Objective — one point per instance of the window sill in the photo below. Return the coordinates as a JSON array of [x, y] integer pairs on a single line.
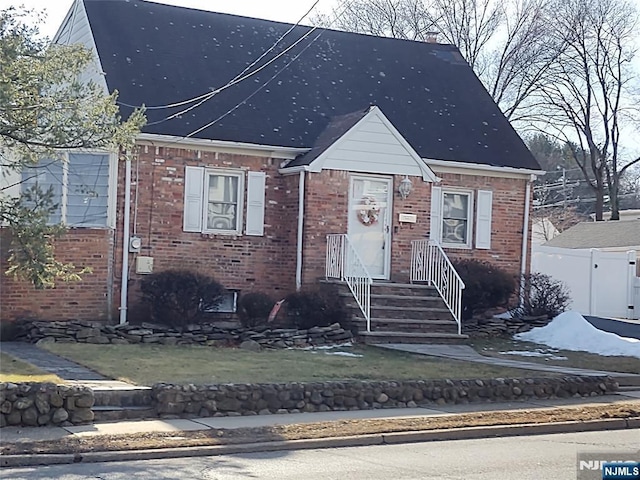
[[222, 233], [456, 246]]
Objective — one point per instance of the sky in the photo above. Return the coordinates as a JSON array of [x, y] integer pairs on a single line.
[[288, 11]]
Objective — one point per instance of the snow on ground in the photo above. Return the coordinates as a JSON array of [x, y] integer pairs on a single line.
[[344, 354], [538, 352], [570, 331]]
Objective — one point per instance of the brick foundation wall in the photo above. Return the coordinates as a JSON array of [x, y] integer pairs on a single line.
[[87, 300]]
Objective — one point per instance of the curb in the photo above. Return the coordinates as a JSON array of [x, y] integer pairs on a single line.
[[464, 433]]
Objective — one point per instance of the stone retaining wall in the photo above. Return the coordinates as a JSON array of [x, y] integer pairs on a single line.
[[491, 327], [32, 404], [205, 334], [39, 404], [173, 401]]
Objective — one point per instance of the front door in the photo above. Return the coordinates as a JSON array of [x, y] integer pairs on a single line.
[[370, 210]]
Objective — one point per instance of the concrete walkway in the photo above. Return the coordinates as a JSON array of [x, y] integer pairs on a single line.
[[65, 369], [467, 354]]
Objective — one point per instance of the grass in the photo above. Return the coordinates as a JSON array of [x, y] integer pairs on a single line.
[[15, 371], [591, 361], [149, 364]]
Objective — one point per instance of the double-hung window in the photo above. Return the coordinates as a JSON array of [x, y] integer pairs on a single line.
[[79, 184], [456, 218], [223, 200], [214, 201], [452, 214]]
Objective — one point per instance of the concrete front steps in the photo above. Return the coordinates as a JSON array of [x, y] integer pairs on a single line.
[[123, 403], [402, 313]]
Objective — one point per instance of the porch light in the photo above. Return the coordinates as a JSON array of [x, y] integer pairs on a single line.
[[405, 187]]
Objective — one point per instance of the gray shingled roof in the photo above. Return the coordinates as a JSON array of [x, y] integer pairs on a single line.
[[157, 54], [599, 235]]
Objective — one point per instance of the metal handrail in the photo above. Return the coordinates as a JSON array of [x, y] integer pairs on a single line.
[[344, 263], [429, 263]]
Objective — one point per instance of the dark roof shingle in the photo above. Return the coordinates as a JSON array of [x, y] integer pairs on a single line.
[[156, 54]]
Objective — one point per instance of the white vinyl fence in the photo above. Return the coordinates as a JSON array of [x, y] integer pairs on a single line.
[[601, 283]]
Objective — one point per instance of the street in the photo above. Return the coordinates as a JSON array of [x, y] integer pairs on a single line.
[[524, 458]]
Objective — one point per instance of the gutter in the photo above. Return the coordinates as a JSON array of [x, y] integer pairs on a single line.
[[478, 166], [288, 153], [125, 241], [525, 236], [300, 230]]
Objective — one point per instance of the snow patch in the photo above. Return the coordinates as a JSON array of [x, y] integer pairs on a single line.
[[570, 331], [344, 354], [536, 353]]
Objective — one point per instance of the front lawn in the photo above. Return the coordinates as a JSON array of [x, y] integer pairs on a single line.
[[149, 364], [499, 346], [15, 371]]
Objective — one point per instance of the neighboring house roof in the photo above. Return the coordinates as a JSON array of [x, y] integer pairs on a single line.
[[599, 235], [159, 55]]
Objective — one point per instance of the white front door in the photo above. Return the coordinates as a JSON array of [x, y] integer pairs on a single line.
[[370, 210]]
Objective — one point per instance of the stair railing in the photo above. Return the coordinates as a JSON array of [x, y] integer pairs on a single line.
[[344, 263], [430, 264]]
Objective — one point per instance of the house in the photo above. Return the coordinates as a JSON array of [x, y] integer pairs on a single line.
[[600, 263], [270, 150]]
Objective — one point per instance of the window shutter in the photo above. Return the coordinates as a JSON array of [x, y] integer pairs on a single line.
[[483, 219], [193, 191], [255, 203], [436, 214]]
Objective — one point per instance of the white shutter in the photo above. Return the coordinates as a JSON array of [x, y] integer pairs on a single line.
[[193, 192], [483, 219], [436, 214], [255, 203]]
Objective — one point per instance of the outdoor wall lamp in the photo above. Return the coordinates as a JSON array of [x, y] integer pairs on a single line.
[[405, 187]]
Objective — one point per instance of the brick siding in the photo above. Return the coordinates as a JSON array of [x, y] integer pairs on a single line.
[[246, 263]]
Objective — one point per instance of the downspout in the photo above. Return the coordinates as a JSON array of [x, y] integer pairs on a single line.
[[125, 241], [300, 231], [525, 236]]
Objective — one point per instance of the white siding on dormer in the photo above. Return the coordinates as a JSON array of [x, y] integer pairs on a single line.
[[373, 148], [76, 30]]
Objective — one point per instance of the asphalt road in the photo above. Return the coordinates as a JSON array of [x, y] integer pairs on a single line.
[[522, 458], [623, 328]]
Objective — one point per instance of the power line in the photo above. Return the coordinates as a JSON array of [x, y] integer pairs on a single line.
[[195, 132], [205, 96], [230, 84]]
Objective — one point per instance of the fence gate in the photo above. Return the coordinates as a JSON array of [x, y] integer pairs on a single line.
[[601, 283]]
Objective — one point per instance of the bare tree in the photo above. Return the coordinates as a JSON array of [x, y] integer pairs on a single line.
[[587, 96], [406, 19], [506, 43]]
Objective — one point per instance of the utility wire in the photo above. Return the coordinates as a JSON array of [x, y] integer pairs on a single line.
[[234, 80], [195, 132]]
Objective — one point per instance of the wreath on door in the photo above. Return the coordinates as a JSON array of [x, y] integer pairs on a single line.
[[369, 211]]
